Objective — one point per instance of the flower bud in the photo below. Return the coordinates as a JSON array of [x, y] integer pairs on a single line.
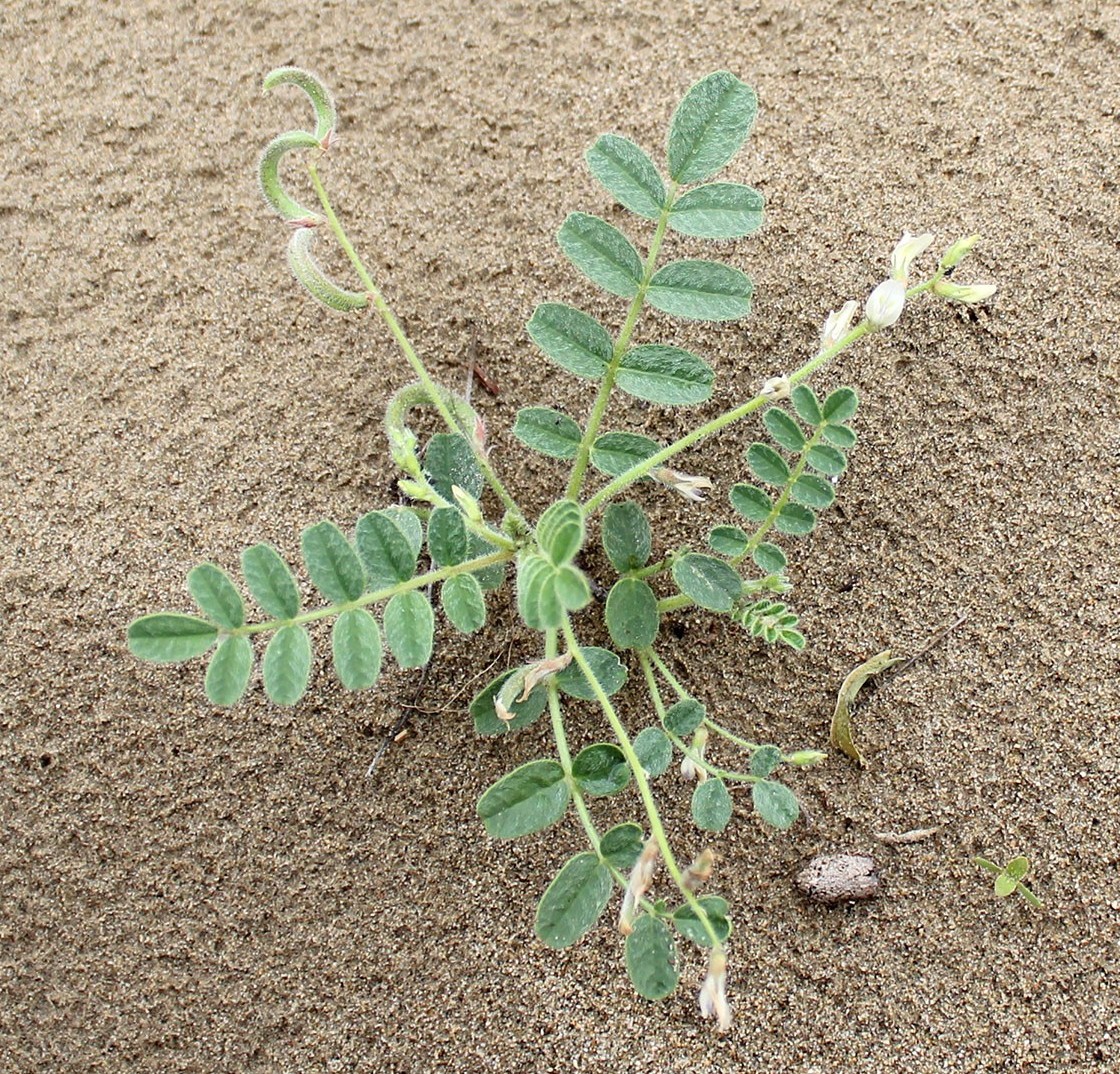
[[467, 504], [958, 251], [700, 871], [884, 306], [837, 325], [641, 878], [970, 294], [775, 388], [805, 757]]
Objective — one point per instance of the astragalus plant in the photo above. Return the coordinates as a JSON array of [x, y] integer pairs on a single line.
[[462, 533]]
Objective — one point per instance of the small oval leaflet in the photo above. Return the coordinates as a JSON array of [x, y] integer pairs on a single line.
[[356, 649], [601, 769], [627, 172], [168, 637], [651, 958], [287, 665], [710, 582], [216, 596], [602, 253], [711, 805], [227, 674], [525, 800], [574, 900]]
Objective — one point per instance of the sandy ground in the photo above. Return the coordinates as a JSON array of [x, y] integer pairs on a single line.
[[194, 890]]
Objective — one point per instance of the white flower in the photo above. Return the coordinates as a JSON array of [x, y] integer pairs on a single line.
[[713, 992], [977, 292], [908, 248], [884, 306], [837, 325], [690, 487]]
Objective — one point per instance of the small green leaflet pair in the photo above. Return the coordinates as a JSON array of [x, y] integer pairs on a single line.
[[708, 128]]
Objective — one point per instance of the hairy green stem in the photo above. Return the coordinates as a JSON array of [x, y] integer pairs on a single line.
[[405, 344], [606, 385], [419, 582], [657, 829]]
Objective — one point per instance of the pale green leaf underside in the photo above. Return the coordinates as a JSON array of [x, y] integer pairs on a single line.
[[216, 596], [463, 603], [356, 649], [227, 674], [168, 637], [409, 628], [333, 564], [287, 665], [271, 582]]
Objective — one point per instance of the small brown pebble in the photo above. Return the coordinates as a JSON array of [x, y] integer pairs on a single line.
[[833, 878]]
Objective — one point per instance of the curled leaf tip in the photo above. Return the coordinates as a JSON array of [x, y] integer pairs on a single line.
[[269, 174]]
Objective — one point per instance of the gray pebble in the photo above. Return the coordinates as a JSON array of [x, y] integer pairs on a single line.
[[833, 878]]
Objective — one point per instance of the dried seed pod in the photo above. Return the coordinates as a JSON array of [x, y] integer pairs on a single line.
[[833, 878]]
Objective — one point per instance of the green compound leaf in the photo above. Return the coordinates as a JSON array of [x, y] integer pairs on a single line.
[[526, 800], [684, 717], [602, 253], [356, 649], [448, 540], [574, 900], [168, 637], [840, 406], [386, 550], [572, 339], [701, 291], [795, 519], [775, 803], [409, 627], [605, 666], [651, 958], [785, 431], [728, 540], [805, 402], [601, 769], [270, 581], [710, 582], [216, 596], [486, 721], [718, 211], [287, 665], [448, 460], [692, 928], [765, 760], [654, 750], [615, 453], [812, 491], [709, 126], [840, 436], [560, 531], [622, 845], [332, 563], [227, 674], [666, 375], [627, 173], [767, 465], [770, 558], [711, 805], [826, 459], [547, 431], [463, 603], [751, 502], [627, 538], [631, 614]]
